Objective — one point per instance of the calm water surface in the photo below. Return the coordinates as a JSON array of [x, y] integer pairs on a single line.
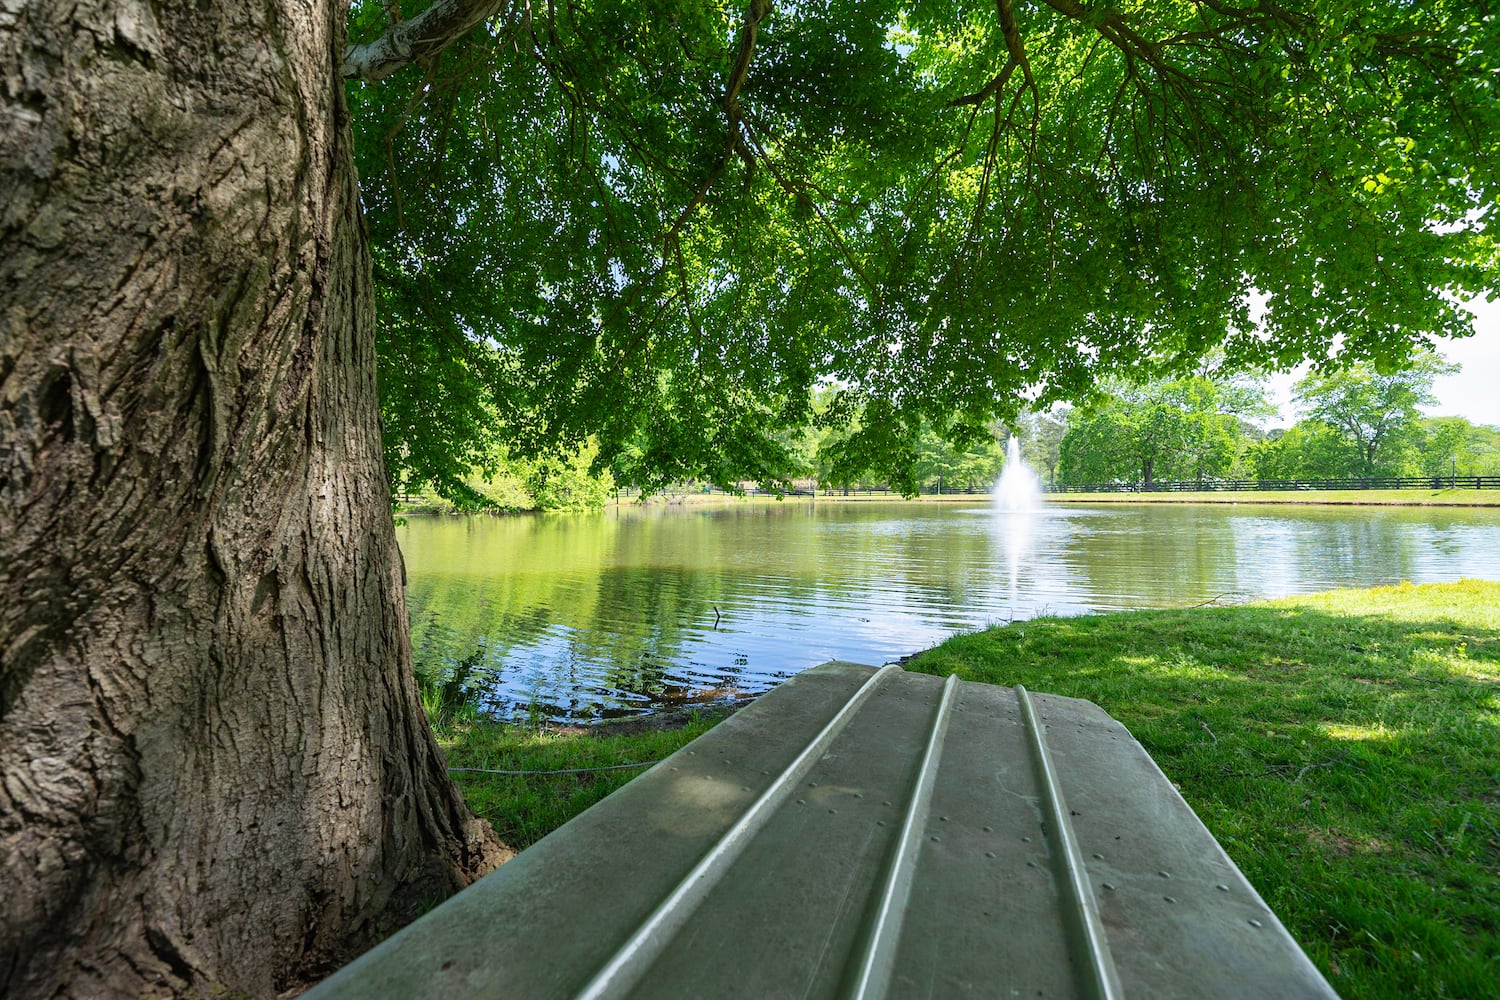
[[624, 612]]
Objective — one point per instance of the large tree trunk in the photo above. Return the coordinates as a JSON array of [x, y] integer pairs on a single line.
[[214, 771]]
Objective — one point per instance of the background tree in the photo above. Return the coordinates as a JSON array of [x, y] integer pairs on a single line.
[[658, 216], [1377, 413], [1182, 428], [949, 466], [1310, 449], [1443, 444], [1478, 454], [1041, 440], [1483, 446], [1104, 443]]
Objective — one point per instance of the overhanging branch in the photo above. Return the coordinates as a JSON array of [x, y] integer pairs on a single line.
[[417, 38], [755, 12]]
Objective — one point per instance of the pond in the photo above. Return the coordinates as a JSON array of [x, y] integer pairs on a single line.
[[635, 610]]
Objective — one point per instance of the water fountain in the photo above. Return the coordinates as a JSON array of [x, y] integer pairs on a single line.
[[1018, 488]]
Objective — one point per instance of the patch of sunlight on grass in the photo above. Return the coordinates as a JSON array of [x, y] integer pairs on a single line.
[[1191, 670], [1342, 844], [1344, 732], [1476, 670], [1439, 659]]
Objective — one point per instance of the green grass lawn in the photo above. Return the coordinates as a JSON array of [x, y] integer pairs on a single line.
[[1343, 747]]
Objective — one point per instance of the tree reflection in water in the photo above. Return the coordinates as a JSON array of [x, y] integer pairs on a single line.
[[589, 616]]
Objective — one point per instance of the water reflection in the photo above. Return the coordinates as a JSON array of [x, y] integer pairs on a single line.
[[623, 612]]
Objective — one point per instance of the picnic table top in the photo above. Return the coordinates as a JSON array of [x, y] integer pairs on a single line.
[[864, 831]]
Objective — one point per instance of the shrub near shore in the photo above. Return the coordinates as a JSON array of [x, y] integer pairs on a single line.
[[1343, 747]]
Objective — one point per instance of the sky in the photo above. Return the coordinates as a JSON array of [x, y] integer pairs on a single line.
[[1473, 393]]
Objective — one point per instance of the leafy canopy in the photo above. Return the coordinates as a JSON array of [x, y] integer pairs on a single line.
[[663, 223]]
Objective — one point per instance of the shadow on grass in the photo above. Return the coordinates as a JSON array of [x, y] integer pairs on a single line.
[[523, 808], [1349, 762]]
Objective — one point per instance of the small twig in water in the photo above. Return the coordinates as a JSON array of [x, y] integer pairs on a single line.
[[716, 616]]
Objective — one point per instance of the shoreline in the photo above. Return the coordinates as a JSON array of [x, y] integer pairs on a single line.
[[1306, 498], [1473, 499], [1294, 500]]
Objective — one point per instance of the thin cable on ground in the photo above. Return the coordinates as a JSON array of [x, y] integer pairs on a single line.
[[567, 770]]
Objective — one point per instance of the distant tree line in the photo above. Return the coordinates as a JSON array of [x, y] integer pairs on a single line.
[[1354, 422]]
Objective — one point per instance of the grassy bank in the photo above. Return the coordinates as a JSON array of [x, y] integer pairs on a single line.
[[1399, 498], [1344, 748]]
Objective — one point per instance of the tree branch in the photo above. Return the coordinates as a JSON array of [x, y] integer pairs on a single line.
[[417, 38], [833, 230], [989, 90], [755, 11]]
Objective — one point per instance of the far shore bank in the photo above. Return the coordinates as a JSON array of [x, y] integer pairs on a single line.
[[1304, 498], [1374, 498]]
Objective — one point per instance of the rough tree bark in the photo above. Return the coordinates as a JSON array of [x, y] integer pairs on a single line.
[[214, 770]]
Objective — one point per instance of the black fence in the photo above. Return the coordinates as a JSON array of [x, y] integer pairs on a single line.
[[1278, 485], [806, 490]]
